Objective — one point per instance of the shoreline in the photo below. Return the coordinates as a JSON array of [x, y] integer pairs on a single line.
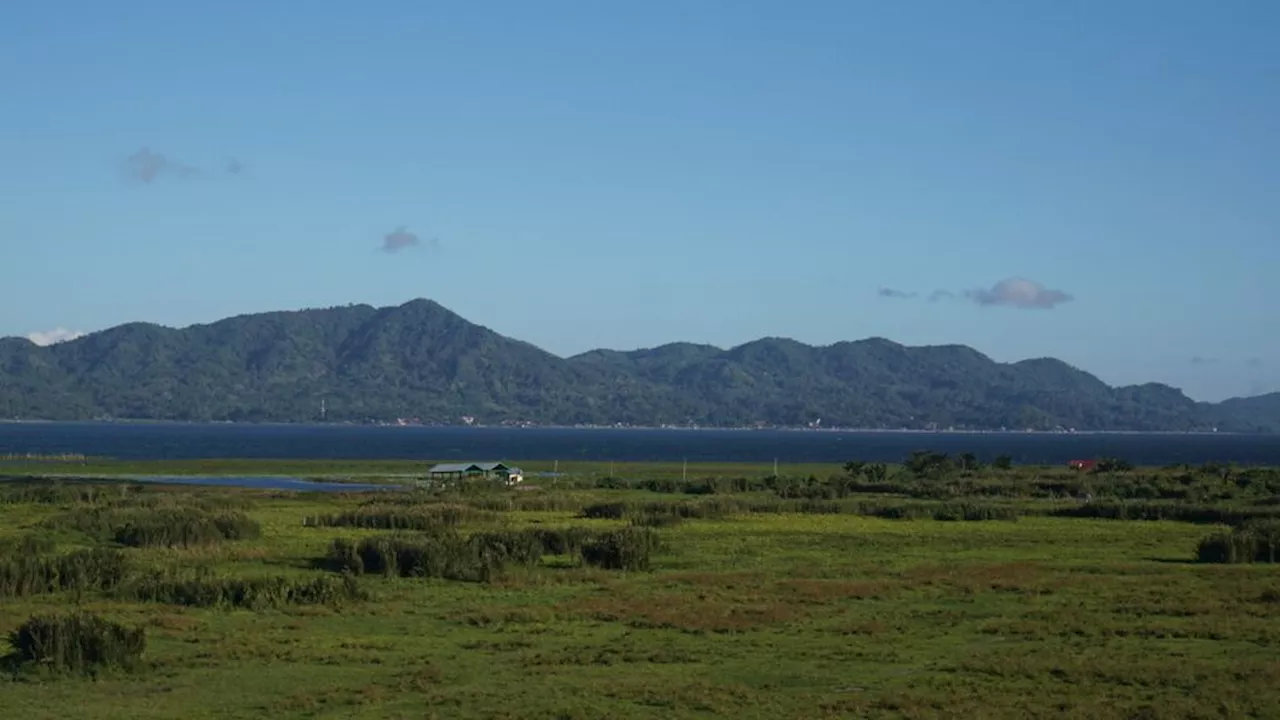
[[630, 428]]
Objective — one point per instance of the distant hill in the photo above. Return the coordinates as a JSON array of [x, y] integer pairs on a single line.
[[422, 360]]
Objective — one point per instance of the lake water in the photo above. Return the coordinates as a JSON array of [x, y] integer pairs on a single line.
[[261, 483], [152, 441]]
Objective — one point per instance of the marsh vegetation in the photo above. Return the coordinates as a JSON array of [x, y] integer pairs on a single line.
[[938, 586]]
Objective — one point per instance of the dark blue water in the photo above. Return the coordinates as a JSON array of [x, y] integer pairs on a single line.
[[262, 483], [147, 441]]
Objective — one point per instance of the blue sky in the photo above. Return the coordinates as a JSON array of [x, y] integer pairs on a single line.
[[586, 174]]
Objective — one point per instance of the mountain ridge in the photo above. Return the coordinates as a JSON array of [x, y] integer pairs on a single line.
[[420, 359]]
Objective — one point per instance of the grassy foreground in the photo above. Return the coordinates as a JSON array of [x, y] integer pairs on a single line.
[[915, 591]]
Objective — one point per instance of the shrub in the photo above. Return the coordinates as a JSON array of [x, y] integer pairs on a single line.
[[483, 555], [975, 512], [179, 528], [499, 549], [163, 527], [52, 492], [1253, 542], [661, 512], [436, 555], [563, 541], [605, 511], [249, 593], [84, 570], [390, 517], [628, 549], [27, 545], [1200, 514], [77, 643]]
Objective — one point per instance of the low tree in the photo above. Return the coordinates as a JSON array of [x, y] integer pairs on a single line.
[[876, 472]]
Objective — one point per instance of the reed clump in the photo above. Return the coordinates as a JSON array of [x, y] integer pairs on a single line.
[[96, 569], [391, 516], [629, 549], [78, 643], [246, 593], [1254, 542], [159, 527]]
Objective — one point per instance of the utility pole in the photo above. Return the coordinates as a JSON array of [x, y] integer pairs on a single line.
[[685, 474], [775, 467]]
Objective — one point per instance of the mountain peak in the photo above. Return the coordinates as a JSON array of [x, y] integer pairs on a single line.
[[420, 359]]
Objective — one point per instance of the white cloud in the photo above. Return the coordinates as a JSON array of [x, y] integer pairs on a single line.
[[54, 336], [1019, 293]]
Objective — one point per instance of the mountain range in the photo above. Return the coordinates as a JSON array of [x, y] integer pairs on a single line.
[[421, 360]]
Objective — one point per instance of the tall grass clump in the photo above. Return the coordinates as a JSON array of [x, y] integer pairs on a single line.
[[52, 492], [77, 642], [975, 512], [398, 517], [1178, 512], [161, 527], [665, 512], [248, 593], [505, 501], [444, 555], [627, 549], [1253, 542], [81, 571], [185, 528], [563, 541]]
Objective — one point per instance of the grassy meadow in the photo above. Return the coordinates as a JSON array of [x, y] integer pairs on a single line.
[[934, 588]]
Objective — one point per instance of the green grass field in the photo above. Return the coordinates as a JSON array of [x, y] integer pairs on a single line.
[[747, 610]]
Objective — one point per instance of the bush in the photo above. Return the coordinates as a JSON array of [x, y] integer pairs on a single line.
[[563, 541], [249, 593], [185, 528], [661, 512], [390, 517], [482, 556], [436, 555], [975, 512], [53, 492], [629, 549], [1254, 542], [162, 527], [84, 570], [1200, 514], [605, 511], [77, 643], [499, 549]]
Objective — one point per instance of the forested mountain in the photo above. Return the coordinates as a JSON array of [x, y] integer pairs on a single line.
[[422, 360]]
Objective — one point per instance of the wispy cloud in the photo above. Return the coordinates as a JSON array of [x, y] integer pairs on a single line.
[[1201, 360], [1255, 362], [146, 165], [149, 166], [891, 293], [1019, 293], [1010, 292], [401, 239], [54, 336]]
